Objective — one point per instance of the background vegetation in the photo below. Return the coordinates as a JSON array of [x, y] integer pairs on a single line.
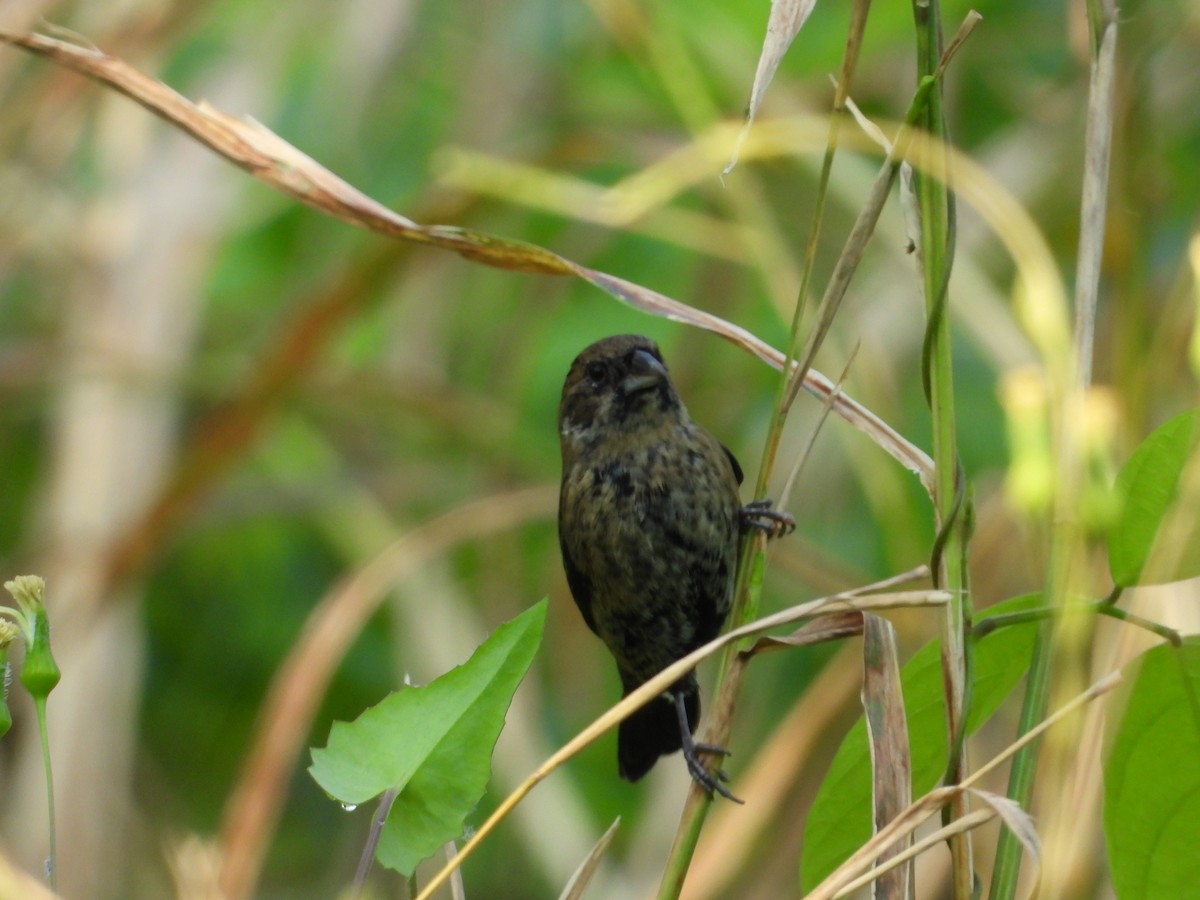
[[217, 405]]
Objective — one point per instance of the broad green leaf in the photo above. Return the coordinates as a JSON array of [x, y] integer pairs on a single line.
[[433, 744], [1150, 487], [1152, 779], [840, 819]]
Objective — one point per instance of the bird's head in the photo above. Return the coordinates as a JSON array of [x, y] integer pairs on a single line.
[[616, 388]]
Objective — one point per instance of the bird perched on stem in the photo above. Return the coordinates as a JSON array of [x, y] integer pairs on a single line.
[[648, 522]]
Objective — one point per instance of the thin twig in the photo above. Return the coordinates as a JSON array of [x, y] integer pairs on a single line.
[[368, 853]]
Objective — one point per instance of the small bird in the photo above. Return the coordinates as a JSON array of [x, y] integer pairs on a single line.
[[648, 521]]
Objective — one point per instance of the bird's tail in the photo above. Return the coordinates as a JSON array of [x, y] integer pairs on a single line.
[[653, 730]]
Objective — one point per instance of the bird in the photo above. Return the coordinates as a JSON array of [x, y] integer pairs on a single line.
[[649, 521]]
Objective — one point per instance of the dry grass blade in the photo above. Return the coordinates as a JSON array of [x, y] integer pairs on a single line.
[[854, 869], [961, 825], [732, 837], [786, 19], [583, 875], [272, 160], [1039, 296], [899, 448], [1020, 823], [836, 625], [458, 890], [1016, 819], [641, 193], [861, 861], [637, 205], [668, 676], [1103, 686], [908, 200], [819, 631], [887, 731]]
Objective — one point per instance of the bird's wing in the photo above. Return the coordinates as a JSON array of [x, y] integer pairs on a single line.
[[737, 469], [581, 587]]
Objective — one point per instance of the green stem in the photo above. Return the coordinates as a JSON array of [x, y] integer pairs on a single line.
[[1096, 607], [1007, 867], [790, 387], [753, 555], [52, 860], [729, 679], [791, 382], [949, 562]]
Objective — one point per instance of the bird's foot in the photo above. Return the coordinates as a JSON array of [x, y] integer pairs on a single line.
[[709, 780], [773, 523]]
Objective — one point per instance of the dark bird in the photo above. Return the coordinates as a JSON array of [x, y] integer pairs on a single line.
[[648, 522]]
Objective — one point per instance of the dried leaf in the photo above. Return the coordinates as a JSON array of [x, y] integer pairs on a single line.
[[268, 157], [786, 19], [870, 129], [827, 628], [858, 869], [1020, 823], [887, 730]]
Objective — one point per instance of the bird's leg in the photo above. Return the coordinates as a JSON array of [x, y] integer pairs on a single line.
[[710, 781], [772, 522]]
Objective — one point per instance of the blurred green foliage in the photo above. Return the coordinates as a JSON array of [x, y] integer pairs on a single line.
[[437, 380]]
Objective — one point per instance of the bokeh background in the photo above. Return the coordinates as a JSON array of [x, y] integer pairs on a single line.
[[217, 405]]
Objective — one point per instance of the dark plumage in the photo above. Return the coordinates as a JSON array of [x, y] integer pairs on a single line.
[[648, 522]]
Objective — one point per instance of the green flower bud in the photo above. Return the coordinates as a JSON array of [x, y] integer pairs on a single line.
[[40, 673]]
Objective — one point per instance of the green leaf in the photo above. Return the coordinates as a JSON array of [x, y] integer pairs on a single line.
[[432, 744], [1150, 485], [1152, 778], [840, 819]]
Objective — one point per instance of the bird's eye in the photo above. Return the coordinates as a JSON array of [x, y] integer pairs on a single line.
[[597, 373]]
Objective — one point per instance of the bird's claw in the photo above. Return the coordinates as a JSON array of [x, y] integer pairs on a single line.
[[759, 515], [709, 780]]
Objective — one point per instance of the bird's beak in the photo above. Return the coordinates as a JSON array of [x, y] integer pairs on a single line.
[[645, 373]]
